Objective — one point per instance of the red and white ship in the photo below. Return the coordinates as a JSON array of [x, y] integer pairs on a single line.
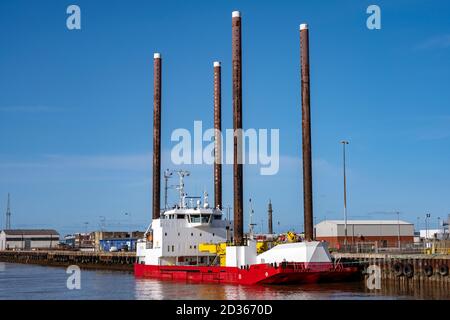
[[172, 251], [192, 241]]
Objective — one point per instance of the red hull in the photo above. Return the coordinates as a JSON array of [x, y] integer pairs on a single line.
[[287, 273]]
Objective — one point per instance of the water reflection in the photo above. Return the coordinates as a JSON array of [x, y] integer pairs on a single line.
[[19, 281], [156, 289], [413, 290]]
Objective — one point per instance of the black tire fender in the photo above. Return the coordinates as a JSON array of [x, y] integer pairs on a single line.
[[443, 270], [397, 268], [428, 270], [408, 270]]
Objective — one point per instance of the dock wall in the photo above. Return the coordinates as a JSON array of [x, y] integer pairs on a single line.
[[408, 270], [90, 260]]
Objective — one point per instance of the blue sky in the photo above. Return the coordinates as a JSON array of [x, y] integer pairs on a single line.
[[76, 106]]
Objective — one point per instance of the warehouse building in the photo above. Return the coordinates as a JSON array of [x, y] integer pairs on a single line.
[[386, 233], [119, 244], [104, 240], [431, 234], [79, 241], [28, 239]]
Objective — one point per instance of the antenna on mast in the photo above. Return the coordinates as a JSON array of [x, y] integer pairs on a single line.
[[251, 224], [167, 175], [180, 187], [8, 214]]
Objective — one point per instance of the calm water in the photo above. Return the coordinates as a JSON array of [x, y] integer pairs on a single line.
[[19, 281]]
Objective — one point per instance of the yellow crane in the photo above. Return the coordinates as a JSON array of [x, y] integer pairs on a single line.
[[219, 249], [261, 246], [291, 236]]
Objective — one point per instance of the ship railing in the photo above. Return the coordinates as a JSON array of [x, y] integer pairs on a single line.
[[307, 266], [297, 266], [337, 264]]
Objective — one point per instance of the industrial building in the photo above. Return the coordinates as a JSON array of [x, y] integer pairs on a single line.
[[431, 234], [28, 239], [441, 233], [79, 241], [385, 233], [104, 240], [118, 244]]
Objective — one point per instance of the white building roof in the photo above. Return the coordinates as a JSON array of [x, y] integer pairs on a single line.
[[27, 232], [367, 222], [376, 228]]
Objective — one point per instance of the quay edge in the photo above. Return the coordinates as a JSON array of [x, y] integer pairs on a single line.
[[403, 268], [120, 261]]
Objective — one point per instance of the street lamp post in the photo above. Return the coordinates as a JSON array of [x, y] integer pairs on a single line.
[[398, 230], [102, 223], [439, 226], [131, 222], [428, 215], [314, 229], [344, 143]]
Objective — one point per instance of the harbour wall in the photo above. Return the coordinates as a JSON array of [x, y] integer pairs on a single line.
[[122, 261], [403, 269], [411, 270]]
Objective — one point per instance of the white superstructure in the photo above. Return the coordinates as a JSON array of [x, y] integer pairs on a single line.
[[178, 233], [311, 251], [174, 238]]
